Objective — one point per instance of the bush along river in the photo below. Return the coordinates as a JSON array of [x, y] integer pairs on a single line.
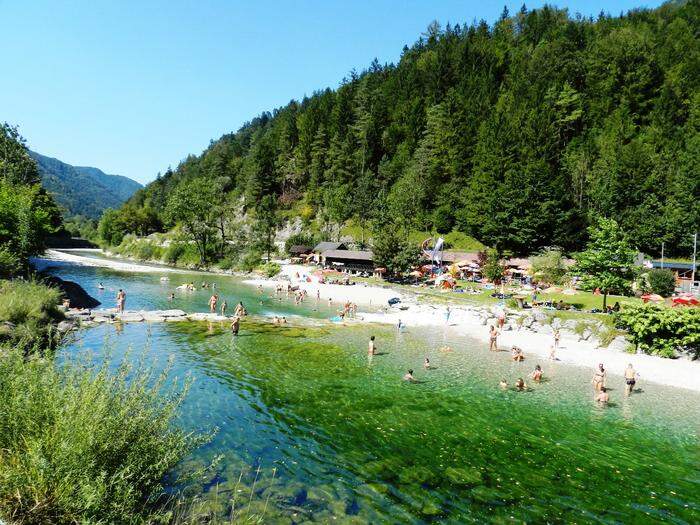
[[312, 429]]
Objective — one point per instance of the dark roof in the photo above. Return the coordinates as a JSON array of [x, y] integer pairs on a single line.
[[327, 245], [299, 248], [674, 265], [350, 255]]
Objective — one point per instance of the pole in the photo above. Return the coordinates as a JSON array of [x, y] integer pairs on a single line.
[[662, 255], [695, 251]]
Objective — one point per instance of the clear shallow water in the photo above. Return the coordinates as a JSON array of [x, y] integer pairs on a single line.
[[334, 436]]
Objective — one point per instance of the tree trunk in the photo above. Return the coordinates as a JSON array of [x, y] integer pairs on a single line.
[[605, 300]]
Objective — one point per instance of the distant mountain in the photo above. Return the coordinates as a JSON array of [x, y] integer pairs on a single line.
[[83, 190]]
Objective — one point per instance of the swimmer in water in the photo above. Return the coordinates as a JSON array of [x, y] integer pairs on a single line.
[[630, 379], [235, 325], [409, 376], [603, 397], [517, 354], [100, 286], [426, 364], [520, 384], [537, 374], [503, 384]]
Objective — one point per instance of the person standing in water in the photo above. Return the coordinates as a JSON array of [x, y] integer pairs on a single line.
[[599, 378], [426, 364], [630, 379], [372, 349], [224, 304], [121, 300], [557, 337], [493, 338], [409, 376], [448, 312], [212, 303], [235, 325]]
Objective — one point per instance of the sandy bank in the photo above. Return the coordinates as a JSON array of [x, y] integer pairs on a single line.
[[463, 320]]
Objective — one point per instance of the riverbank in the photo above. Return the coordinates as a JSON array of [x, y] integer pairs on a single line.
[[531, 330]]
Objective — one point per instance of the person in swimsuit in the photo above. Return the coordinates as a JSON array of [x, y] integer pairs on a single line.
[[372, 349], [537, 374], [630, 379], [426, 364], [603, 397], [503, 384], [599, 378], [224, 305], [121, 296], [235, 325], [520, 384], [517, 354], [409, 376], [212, 303], [493, 339], [557, 336]]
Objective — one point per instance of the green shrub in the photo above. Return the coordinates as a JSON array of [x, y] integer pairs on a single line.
[[173, 252], [79, 444], [10, 263], [661, 281], [662, 331], [31, 307], [249, 262], [269, 269], [189, 257]]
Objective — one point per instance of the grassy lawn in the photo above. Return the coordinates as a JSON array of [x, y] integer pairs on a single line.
[[581, 300]]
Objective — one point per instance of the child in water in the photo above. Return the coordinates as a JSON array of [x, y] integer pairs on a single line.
[[537, 373], [426, 363], [409, 376], [520, 384]]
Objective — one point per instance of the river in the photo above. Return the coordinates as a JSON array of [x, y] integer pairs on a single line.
[[311, 429]]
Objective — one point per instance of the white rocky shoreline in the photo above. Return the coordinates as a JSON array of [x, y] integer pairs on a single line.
[[531, 330]]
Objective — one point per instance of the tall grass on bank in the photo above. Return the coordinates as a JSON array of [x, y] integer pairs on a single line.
[[27, 311], [81, 444]]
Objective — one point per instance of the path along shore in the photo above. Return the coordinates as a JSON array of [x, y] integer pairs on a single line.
[[532, 335]]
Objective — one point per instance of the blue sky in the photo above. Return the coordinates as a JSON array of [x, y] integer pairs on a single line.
[[133, 87]]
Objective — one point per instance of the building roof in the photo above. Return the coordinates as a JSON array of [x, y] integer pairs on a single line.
[[299, 248], [674, 265], [453, 257], [327, 245], [350, 255]]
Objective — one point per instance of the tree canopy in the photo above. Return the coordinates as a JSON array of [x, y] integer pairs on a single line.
[[520, 134]]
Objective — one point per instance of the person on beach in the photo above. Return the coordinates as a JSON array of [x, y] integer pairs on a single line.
[[537, 374], [399, 325], [552, 354], [557, 337], [426, 364], [493, 338], [520, 384], [409, 376], [235, 325], [503, 384], [630, 379], [212, 303], [448, 312], [602, 397], [599, 378], [517, 354], [371, 349], [501, 317], [224, 305]]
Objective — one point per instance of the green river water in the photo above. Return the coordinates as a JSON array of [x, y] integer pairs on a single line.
[[312, 430]]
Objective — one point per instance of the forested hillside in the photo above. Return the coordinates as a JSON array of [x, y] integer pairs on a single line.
[[518, 133], [83, 190]]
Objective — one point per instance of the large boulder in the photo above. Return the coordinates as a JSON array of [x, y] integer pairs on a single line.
[[620, 344], [77, 295], [130, 317]]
